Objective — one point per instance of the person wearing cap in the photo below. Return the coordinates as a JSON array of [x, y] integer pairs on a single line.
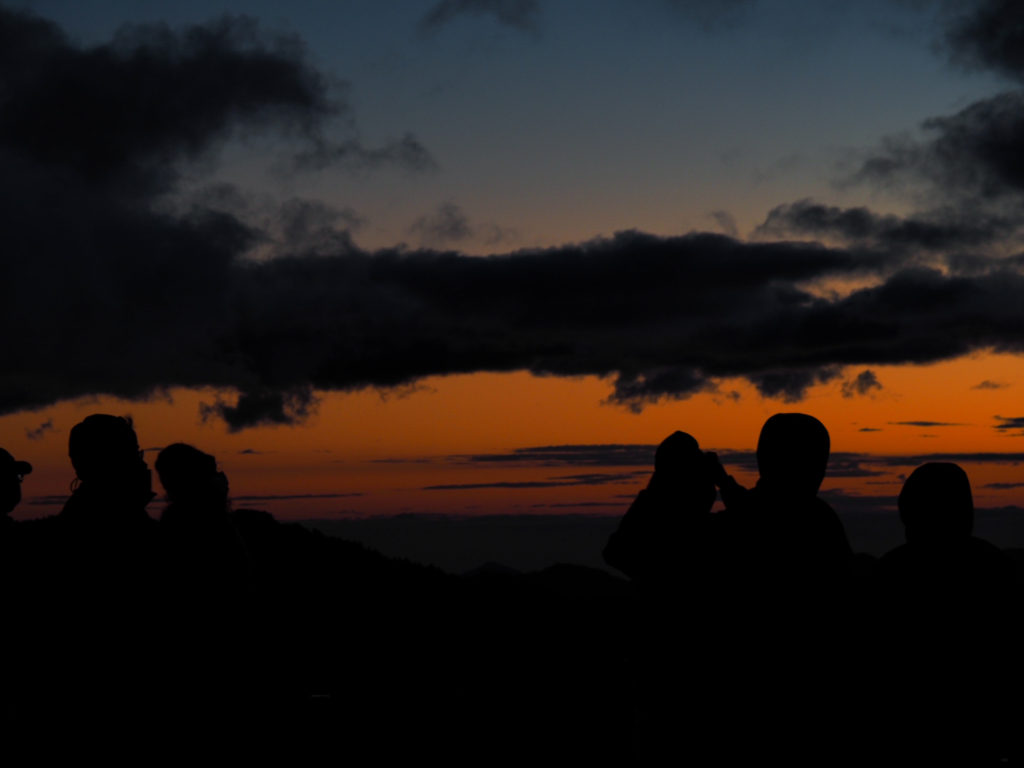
[[11, 474]]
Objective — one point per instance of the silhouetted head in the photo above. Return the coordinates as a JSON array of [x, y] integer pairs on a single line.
[[191, 477], [792, 454], [104, 448], [936, 503], [11, 472], [681, 468]]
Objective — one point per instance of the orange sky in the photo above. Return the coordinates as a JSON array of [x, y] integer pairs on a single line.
[[372, 453]]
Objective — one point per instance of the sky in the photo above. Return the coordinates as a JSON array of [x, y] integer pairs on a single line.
[[481, 256]]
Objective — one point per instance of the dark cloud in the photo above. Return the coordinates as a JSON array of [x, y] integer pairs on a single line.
[[447, 224], [1007, 424], [869, 429], [613, 455], [928, 424], [840, 464], [863, 384], [571, 504], [407, 153], [956, 458], [39, 432], [975, 157], [988, 34], [518, 14], [87, 203], [941, 230], [790, 384], [986, 384], [1002, 486], [263, 407], [594, 478], [292, 497], [142, 295], [506, 484]]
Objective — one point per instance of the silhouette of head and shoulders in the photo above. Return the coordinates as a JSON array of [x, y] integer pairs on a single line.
[[792, 459], [114, 484], [941, 553], [196, 489], [781, 525], [199, 531], [665, 529]]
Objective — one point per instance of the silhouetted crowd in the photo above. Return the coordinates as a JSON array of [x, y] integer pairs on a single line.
[[763, 635], [750, 634]]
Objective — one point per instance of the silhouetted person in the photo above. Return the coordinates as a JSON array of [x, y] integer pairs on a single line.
[[784, 542], [209, 587], [663, 545], [11, 474], [16, 601], [196, 523], [664, 532], [108, 575], [783, 561], [948, 611], [114, 482]]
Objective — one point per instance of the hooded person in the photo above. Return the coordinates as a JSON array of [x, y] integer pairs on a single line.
[[782, 571], [779, 537], [948, 604]]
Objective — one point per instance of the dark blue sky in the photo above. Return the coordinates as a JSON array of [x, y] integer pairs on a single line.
[[577, 119]]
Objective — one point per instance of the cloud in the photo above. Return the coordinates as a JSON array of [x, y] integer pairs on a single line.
[[264, 407], [941, 230], [726, 222], [603, 478], [407, 153], [611, 455], [986, 384], [447, 224], [865, 382], [869, 429], [1010, 423], [928, 424], [973, 157], [956, 458], [39, 432], [290, 497], [90, 233], [971, 162], [518, 14], [988, 34], [572, 504]]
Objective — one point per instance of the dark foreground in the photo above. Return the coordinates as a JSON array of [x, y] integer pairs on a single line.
[[325, 647]]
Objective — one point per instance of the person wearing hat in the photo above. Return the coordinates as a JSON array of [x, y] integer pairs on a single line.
[[11, 473]]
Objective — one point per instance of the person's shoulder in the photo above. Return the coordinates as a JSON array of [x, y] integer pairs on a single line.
[[983, 547]]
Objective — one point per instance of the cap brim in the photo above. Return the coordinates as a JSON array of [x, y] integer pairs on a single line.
[[22, 468]]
